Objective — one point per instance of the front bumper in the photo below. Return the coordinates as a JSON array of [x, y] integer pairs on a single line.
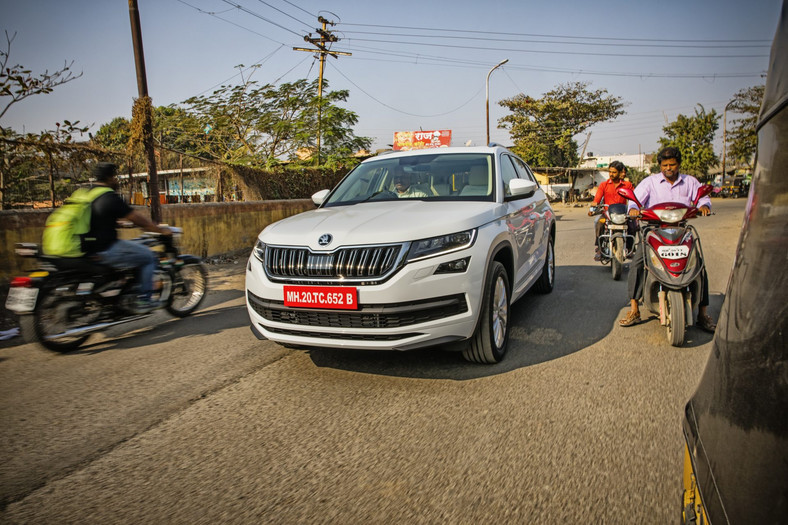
[[412, 309]]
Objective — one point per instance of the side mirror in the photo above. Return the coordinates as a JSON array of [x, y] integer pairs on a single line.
[[702, 192], [522, 187], [319, 197], [629, 194]]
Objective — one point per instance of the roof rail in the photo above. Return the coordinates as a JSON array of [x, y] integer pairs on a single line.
[[495, 144]]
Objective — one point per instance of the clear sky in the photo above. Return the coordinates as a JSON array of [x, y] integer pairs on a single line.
[[414, 64]]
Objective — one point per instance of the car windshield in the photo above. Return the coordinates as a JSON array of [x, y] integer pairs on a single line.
[[445, 176]]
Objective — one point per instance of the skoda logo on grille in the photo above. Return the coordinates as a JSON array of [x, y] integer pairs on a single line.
[[325, 239]]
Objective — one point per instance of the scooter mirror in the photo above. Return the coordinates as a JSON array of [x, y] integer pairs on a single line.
[[702, 192], [627, 193]]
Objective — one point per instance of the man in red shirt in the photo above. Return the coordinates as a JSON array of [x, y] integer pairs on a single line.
[[608, 191]]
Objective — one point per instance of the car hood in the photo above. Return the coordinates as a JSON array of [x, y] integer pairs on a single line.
[[378, 223]]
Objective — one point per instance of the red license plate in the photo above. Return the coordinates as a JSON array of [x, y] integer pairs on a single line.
[[333, 297]]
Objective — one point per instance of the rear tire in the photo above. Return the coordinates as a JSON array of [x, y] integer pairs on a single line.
[[189, 285], [546, 281], [676, 318], [489, 341], [54, 314]]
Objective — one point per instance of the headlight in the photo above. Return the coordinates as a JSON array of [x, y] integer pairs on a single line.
[[618, 218], [259, 250], [440, 245], [671, 215]]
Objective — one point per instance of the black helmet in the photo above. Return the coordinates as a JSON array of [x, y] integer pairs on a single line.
[[104, 171]]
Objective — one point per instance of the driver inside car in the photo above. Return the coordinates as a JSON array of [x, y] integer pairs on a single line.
[[402, 185]]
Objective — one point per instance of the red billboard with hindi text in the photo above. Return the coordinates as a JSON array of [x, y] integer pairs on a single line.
[[407, 140]]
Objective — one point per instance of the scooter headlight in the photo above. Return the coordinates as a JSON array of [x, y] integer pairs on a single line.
[[671, 216]]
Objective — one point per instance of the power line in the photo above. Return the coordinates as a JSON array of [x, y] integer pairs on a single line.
[[261, 17], [552, 52], [660, 44], [466, 31], [286, 14], [405, 112]]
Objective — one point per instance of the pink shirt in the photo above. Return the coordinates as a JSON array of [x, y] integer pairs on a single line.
[[656, 189]]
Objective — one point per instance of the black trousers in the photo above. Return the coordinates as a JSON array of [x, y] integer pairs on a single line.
[[635, 279]]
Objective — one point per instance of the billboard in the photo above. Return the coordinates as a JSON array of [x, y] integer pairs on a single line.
[[406, 140]]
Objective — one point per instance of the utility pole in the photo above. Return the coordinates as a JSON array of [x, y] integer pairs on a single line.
[[326, 37], [142, 87]]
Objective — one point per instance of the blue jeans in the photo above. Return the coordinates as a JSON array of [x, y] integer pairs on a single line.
[[128, 254]]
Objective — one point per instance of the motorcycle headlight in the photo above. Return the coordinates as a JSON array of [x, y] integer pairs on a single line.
[[259, 250], [433, 246], [671, 215], [618, 218]]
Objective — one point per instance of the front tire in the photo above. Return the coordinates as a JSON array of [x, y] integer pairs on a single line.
[[488, 344], [189, 285], [675, 317], [617, 259]]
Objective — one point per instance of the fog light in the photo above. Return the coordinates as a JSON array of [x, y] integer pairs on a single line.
[[458, 266]]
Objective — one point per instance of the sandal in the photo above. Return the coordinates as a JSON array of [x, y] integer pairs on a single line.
[[631, 319], [706, 323]]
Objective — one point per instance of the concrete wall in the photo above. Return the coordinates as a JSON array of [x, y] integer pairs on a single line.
[[208, 229]]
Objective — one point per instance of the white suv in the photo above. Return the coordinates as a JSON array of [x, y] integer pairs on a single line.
[[410, 249]]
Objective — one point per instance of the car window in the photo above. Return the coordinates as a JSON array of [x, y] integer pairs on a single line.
[[523, 170], [429, 176], [508, 172]]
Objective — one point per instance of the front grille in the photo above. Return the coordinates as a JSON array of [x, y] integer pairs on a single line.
[[367, 316], [350, 264]]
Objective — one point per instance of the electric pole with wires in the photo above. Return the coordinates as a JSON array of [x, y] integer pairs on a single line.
[[322, 44]]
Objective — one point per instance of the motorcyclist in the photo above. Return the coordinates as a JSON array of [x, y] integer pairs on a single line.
[[667, 186], [102, 240], [607, 191]]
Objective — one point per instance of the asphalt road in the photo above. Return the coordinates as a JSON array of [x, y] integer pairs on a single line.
[[195, 421]]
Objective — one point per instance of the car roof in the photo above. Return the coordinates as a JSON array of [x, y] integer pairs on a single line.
[[492, 149]]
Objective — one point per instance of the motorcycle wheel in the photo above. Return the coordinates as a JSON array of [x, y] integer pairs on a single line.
[[617, 259], [189, 284], [676, 318], [54, 315]]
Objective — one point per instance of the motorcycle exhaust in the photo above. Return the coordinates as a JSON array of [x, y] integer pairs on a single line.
[[662, 294], [95, 327]]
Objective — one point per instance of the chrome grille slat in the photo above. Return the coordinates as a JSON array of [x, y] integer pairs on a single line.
[[360, 263]]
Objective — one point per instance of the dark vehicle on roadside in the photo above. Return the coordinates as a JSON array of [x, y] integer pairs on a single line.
[[736, 424]]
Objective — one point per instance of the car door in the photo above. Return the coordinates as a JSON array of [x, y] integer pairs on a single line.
[[520, 223], [541, 211]]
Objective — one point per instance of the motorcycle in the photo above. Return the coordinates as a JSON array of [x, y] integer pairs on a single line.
[[615, 242], [64, 300], [672, 262]]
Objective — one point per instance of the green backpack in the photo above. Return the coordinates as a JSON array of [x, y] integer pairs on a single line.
[[66, 226]]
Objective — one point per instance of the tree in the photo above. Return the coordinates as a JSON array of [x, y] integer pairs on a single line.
[[693, 136], [251, 124], [18, 83], [543, 129], [741, 138]]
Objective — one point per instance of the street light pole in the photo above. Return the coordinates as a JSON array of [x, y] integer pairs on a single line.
[[724, 137], [488, 97]]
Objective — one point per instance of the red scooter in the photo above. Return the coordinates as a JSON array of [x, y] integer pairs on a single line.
[[672, 262]]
